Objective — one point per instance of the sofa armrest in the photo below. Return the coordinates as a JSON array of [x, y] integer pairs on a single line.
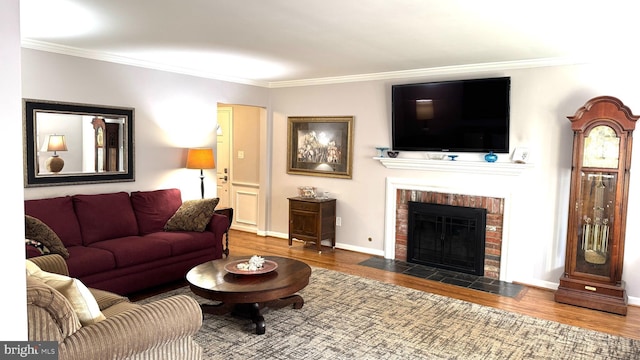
[[218, 224], [136, 330], [52, 263]]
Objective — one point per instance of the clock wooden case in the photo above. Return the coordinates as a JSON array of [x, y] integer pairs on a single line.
[[602, 140]]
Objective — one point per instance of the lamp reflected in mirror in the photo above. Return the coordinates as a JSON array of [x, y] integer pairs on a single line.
[[55, 143]]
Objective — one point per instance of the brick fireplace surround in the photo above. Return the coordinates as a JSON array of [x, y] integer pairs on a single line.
[[494, 228]]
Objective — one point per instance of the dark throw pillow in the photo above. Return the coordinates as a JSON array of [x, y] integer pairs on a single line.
[[193, 215], [35, 229]]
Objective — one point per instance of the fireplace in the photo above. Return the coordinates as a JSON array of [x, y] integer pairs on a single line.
[[447, 237], [402, 193]]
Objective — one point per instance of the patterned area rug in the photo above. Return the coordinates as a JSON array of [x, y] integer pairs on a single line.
[[350, 317]]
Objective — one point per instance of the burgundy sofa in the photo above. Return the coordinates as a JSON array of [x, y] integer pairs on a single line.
[[117, 242]]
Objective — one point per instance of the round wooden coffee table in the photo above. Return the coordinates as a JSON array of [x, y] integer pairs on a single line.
[[245, 295]]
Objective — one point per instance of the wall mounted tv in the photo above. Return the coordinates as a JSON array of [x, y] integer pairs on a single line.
[[455, 116]]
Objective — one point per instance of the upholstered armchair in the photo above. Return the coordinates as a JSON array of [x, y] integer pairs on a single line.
[[158, 330]]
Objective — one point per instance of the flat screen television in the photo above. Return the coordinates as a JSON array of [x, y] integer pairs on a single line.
[[453, 116]]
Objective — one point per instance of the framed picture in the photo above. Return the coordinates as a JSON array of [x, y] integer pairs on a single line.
[[320, 146]]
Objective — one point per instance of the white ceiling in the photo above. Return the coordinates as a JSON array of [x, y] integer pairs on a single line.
[[287, 42]]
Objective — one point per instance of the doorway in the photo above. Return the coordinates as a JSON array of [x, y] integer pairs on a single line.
[[241, 164]]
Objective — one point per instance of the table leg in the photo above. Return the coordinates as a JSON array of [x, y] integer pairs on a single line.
[[252, 310]]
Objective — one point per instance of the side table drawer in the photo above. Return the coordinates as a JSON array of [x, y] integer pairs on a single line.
[[305, 206]]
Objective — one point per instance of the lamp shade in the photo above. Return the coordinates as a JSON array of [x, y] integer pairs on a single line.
[[56, 143], [200, 159]]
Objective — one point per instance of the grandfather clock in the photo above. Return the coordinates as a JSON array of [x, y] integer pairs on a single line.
[[602, 142]]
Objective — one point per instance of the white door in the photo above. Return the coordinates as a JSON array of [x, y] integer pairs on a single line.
[[223, 150]]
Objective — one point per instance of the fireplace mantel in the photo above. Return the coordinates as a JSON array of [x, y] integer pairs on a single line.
[[476, 167]]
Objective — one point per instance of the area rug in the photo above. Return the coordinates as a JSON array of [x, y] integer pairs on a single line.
[[350, 317]]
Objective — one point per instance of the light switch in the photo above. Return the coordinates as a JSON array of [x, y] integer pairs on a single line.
[[240, 154]]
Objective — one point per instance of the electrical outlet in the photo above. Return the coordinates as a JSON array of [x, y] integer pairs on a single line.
[[240, 154], [338, 221]]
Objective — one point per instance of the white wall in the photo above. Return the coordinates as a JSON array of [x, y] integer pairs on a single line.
[[541, 99], [13, 311], [172, 112]]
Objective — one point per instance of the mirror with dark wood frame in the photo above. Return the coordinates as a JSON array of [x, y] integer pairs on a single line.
[[69, 143]]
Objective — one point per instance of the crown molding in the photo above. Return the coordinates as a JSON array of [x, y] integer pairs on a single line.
[[443, 70], [404, 74], [104, 56]]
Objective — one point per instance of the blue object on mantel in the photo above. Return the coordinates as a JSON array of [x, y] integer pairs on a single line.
[[491, 157], [452, 157]]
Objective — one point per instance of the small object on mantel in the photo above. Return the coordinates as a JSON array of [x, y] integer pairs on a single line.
[[452, 157], [381, 151], [393, 154], [491, 157]]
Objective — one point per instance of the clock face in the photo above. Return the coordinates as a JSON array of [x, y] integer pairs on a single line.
[[601, 148]]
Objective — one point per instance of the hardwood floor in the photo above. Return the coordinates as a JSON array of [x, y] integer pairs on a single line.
[[533, 301]]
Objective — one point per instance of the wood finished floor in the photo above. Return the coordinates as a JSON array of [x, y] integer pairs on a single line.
[[532, 301]]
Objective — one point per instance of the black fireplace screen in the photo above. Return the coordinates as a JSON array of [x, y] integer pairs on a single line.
[[447, 237]]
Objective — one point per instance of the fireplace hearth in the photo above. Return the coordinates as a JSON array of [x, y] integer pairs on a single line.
[[447, 237]]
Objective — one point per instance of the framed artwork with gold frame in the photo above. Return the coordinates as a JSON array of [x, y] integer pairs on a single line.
[[320, 146]]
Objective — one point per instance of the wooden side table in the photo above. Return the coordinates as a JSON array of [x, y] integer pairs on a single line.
[[312, 219], [228, 212]]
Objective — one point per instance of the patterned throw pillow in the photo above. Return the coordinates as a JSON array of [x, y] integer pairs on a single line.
[[193, 215], [35, 229]]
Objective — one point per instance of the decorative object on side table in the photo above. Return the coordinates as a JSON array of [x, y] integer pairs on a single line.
[[393, 154], [200, 159], [307, 192], [491, 157]]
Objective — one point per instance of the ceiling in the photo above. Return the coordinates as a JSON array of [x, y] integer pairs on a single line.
[[278, 43]]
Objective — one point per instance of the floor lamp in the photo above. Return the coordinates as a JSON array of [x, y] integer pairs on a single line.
[[200, 159]]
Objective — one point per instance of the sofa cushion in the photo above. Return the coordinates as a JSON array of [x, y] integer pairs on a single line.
[[34, 229], [105, 216], [84, 260], [184, 242], [58, 213], [134, 250], [193, 215], [154, 208], [81, 299]]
